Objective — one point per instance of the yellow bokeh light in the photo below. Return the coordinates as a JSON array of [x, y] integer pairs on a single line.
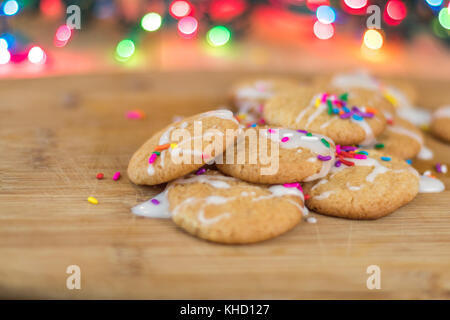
[[373, 39]]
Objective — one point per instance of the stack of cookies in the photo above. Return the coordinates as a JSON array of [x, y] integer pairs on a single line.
[[337, 147]]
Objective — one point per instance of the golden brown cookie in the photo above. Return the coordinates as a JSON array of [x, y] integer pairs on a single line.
[[440, 123], [346, 119], [182, 147], [401, 139], [367, 189], [250, 95], [277, 155], [226, 210]]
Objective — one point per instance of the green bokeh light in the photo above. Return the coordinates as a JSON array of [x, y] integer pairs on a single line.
[[444, 18], [151, 21], [218, 36], [125, 48]]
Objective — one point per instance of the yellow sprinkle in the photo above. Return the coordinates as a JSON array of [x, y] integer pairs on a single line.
[[391, 99], [242, 116], [317, 102], [173, 145], [92, 200], [425, 127]]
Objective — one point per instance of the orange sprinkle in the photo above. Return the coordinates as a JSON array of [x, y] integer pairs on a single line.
[[162, 147], [371, 110]]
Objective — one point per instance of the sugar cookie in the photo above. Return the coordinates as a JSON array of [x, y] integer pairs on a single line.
[[276, 156], [346, 119], [440, 123], [367, 187], [226, 210], [182, 147]]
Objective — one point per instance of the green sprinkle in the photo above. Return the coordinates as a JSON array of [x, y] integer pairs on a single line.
[[379, 146], [325, 142], [309, 134], [330, 107], [344, 97], [363, 152], [157, 153]]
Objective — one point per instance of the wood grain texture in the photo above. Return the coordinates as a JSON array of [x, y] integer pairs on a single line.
[[56, 134]]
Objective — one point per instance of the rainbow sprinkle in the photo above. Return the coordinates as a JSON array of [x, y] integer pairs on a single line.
[[116, 176], [338, 106], [92, 200], [343, 152], [323, 158], [155, 201], [385, 158], [200, 171], [135, 114], [441, 168], [285, 139]]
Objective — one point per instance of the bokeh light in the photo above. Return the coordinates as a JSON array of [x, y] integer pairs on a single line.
[[52, 8], [125, 49], [187, 27], [434, 3], [323, 31], [151, 21], [373, 39], [10, 7], [444, 18], [218, 36], [3, 44], [36, 55], [63, 33], [396, 10], [180, 8], [355, 4], [326, 14], [5, 56]]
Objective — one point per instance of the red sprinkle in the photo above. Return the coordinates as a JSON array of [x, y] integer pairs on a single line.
[[116, 176], [347, 163], [100, 176], [307, 196]]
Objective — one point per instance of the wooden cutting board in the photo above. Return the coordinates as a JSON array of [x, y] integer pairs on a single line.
[[56, 134]]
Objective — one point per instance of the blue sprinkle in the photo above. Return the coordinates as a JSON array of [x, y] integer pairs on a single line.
[[336, 111], [356, 117], [253, 125], [386, 158], [363, 152], [346, 109], [409, 161]]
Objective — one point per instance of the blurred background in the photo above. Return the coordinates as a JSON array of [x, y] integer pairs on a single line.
[[51, 37]]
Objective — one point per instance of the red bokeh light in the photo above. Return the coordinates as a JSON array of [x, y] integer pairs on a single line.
[[394, 12], [225, 10], [180, 8]]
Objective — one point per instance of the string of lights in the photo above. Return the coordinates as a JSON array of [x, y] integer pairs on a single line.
[[219, 22]]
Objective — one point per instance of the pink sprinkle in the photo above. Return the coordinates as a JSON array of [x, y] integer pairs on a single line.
[[262, 121], [359, 156], [338, 148], [324, 97], [116, 176], [152, 158], [135, 114], [284, 139], [292, 185], [270, 130]]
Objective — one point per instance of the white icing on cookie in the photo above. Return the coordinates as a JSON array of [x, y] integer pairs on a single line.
[[151, 210], [442, 112], [355, 80], [430, 185], [313, 143], [425, 153], [161, 210]]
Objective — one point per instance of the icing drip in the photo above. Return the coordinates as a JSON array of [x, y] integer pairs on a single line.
[[425, 153], [406, 132], [324, 195], [259, 90], [430, 185], [152, 210], [443, 112], [415, 115], [161, 210], [367, 129]]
